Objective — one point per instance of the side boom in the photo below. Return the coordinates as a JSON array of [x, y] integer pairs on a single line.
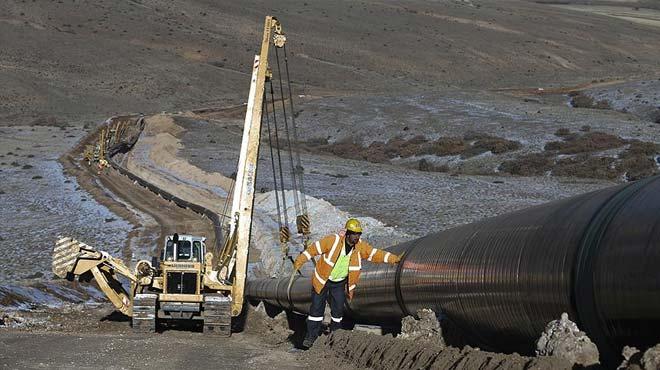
[[243, 199]]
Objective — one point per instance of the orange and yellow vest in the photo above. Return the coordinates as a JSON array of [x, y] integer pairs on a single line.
[[329, 248]]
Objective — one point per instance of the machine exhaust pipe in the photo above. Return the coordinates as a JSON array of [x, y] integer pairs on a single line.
[[501, 280]]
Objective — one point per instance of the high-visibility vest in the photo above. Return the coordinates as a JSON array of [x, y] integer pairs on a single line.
[[329, 248], [340, 269]]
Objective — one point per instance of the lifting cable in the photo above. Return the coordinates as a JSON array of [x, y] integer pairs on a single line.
[[223, 217], [296, 195], [302, 218], [299, 167], [284, 230], [290, 145], [223, 256], [280, 222]]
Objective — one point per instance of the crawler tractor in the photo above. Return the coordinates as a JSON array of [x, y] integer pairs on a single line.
[[181, 284]]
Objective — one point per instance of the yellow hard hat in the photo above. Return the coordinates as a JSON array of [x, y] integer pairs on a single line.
[[354, 225]]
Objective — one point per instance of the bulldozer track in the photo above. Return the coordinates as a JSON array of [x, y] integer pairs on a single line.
[[144, 313]]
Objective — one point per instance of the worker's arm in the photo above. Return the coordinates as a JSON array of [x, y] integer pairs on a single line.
[[377, 255], [313, 250]]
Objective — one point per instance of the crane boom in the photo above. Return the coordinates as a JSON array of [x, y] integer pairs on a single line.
[[246, 175]]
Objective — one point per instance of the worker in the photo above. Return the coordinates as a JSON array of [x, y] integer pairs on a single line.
[[101, 165], [337, 273]]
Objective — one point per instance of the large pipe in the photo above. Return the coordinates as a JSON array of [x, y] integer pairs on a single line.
[[501, 280]]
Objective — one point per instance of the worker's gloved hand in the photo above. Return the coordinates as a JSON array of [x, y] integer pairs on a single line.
[[400, 257], [297, 264]]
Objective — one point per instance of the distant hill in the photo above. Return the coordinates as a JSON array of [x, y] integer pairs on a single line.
[[81, 60]]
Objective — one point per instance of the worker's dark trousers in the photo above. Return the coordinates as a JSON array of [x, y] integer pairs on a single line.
[[337, 295]]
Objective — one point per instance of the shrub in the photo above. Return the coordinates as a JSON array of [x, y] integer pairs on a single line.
[[586, 166], [587, 143], [535, 164]]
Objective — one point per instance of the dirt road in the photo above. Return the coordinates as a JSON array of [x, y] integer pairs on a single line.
[[130, 201], [97, 338]]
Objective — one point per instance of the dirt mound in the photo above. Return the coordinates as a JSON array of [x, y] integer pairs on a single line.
[[385, 352], [154, 158], [427, 327], [563, 339], [274, 330]]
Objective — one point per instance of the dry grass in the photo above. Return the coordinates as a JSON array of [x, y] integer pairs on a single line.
[[351, 150], [445, 146], [638, 160], [426, 166], [380, 152], [535, 164], [635, 162], [486, 143], [586, 166], [587, 143]]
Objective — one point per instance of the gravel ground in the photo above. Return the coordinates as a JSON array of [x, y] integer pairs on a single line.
[[639, 98], [93, 336]]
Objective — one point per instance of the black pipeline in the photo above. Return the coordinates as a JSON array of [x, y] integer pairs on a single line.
[[501, 280]]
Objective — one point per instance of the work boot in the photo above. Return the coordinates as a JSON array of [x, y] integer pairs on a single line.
[[307, 343]]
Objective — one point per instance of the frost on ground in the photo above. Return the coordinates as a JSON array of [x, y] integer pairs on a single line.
[[639, 98], [40, 203], [15, 320], [46, 294], [417, 202], [563, 339]]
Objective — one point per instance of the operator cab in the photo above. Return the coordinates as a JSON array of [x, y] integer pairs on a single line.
[[184, 248]]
